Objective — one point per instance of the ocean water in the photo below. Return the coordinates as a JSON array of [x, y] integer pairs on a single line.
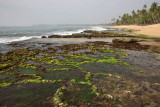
[[13, 33]]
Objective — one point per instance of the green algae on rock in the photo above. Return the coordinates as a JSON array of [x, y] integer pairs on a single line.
[[91, 73]]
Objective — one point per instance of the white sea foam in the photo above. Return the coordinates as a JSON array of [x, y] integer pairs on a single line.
[[14, 39], [69, 32], [98, 28], [79, 31], [8, 39]]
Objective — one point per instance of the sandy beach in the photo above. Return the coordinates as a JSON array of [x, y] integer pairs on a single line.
[[149, 30]]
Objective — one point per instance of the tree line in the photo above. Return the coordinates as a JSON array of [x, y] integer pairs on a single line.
[[140, 17]]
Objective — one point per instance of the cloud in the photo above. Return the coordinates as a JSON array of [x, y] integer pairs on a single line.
[[28, 12]]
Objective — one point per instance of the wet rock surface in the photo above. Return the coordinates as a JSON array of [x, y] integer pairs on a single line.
[[126, 40], [91, 34], [44, 37], [40, 72], [54, 36]]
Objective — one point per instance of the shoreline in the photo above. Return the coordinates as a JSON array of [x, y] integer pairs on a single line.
[[148, 30], [58, 66], [87, 35]]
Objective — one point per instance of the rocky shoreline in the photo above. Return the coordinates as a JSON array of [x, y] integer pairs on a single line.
[[91, 69], [90, 34]]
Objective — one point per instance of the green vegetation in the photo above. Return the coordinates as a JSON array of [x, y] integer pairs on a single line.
[[21, 70], [65, 77], [58, 97], [4, 84], [87, 94], [145, 37], [141, 17]]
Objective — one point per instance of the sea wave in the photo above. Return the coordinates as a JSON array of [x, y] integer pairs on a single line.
[[79, 31], [69, 32], [14, 39], [98, 28]]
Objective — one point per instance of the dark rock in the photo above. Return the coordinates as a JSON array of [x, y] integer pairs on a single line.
[[1, 54], [91, 31], [89, 37], [88, 31], [126, 40], [5, 66], [55, 36], [129, 46], [43, 37], [157, 40]]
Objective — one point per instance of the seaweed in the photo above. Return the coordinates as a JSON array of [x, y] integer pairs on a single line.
[[69, 67]]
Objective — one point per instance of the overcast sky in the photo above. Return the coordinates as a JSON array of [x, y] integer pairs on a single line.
[[32, 12]]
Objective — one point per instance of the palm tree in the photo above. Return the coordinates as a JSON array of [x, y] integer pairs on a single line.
[[144, 16], [158, 14], [117, 22], [113, 21], [133, 17], [152, 11], [145, 6]]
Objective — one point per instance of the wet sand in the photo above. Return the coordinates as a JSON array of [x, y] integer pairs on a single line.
[[149, 30]]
